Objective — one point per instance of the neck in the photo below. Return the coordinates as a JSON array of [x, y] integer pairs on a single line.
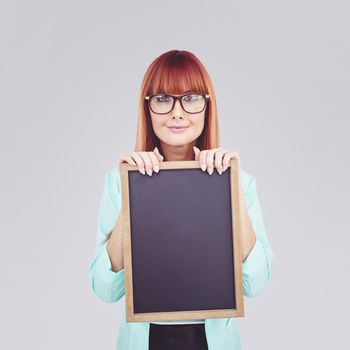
[[178, 153]]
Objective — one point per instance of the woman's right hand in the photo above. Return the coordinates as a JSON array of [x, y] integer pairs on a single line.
[[144, 160]]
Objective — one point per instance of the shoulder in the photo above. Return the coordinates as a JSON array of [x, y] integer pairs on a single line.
[[112, 178]]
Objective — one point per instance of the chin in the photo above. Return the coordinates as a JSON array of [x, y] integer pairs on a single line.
[[179, 142]]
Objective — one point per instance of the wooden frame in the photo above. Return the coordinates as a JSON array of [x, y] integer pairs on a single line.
[[236, 249]]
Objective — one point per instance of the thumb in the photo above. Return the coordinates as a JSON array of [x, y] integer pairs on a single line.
[[159, 156], [196, 152]]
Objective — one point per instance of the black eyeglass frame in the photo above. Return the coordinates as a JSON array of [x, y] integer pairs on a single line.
[[206, 96]]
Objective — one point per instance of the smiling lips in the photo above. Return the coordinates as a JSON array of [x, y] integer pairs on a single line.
[[177, 128]]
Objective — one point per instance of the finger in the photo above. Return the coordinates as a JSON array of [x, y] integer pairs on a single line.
[[127, 159], [159, 156], [203, 159], [210, 160], [196, 153], [218, 160], [155, 161], [226, 160], [147, 161], [139, 161]]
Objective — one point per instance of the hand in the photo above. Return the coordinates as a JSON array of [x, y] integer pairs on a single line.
[[214, 157], [149, 160]]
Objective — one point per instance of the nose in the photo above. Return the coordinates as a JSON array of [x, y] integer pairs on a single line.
[[177, 110]]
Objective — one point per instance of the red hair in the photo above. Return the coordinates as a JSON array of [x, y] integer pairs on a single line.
[[176, 72]]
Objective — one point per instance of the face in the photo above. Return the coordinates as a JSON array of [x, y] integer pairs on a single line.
[[163, 125]]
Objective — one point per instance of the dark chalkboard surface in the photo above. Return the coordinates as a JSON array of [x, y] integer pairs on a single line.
[[182, 255]]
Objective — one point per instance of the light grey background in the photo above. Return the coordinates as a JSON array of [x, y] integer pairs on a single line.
[[70, 78]]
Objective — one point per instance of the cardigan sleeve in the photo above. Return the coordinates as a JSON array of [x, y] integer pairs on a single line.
[[256, 268], [106, 284]]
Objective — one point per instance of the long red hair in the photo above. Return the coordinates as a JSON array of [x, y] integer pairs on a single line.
[[175, 72]]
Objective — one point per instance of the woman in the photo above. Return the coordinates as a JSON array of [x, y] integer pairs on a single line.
[[177, 121]]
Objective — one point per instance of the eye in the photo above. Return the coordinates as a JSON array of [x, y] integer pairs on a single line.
[[162, 98], [191, 97]]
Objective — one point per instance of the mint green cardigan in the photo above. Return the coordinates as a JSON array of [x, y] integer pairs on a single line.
[[107, 285]]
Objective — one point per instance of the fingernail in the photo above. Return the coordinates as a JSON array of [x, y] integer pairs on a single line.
[[156, 168], [210, 171], [203, 167], [220, 171], [143, 171], [149, 172]]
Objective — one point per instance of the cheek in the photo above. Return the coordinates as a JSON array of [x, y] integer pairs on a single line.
[[157, 126], [155, 122], [198, 124]]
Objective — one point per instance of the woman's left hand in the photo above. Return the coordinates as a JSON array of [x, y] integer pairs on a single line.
[[215, 157]]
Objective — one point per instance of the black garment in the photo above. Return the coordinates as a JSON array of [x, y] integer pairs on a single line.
[[177, 337]]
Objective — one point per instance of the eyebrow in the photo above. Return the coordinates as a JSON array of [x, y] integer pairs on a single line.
[[186, 92], [190, 91]]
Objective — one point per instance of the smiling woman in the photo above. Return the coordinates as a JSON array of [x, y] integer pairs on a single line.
[[177, 121], [177, 92]]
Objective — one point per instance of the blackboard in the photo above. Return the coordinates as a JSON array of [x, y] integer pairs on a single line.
[[182, 250]]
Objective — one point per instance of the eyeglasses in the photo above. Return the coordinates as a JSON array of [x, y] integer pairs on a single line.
[[191, 102]]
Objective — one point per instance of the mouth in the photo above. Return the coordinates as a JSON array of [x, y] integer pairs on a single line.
[[177, 128]]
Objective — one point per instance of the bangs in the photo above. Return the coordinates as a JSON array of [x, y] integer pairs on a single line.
[[177, 75]]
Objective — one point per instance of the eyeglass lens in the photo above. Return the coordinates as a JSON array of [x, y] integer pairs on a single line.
[[192, 103]]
